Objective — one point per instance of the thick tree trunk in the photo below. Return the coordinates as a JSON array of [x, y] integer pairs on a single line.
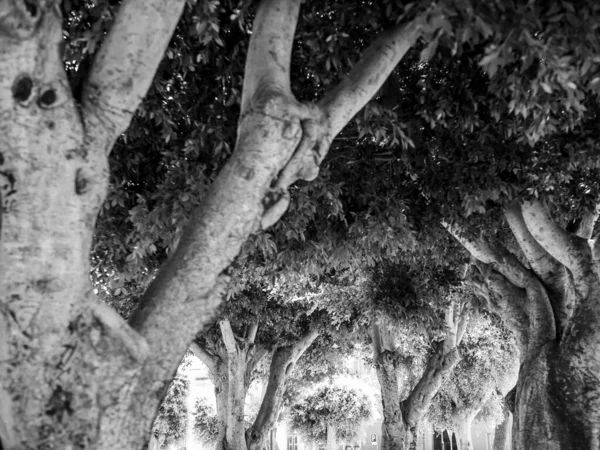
[[536, 425], [269, 409]]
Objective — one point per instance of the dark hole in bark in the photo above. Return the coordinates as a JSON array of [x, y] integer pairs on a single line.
[[31, 7], [81, 182], [22, 88], [47, 98], [60, 403]]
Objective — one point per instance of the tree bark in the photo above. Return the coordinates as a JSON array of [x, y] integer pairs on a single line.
[[67, 362], [72, 372], [557, 401], [393, 428], [502, 433]]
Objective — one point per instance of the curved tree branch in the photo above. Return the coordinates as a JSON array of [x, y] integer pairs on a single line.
[[204, 355], [551, 272], [503, 261], [572, 251], [284, 359], [379, 60], [439, 366], [124, 67], [544, 265]]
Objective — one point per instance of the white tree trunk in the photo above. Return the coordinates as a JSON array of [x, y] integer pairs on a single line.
[[331, 437]]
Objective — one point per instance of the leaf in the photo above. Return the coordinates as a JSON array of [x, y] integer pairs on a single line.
[[546, 87], [429, 52]]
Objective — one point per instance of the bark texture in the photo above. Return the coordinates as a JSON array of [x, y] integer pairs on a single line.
[[73, 374], [554, 308], [68, 365]]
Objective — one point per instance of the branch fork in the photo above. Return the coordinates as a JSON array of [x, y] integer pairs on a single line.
[[305, 161]]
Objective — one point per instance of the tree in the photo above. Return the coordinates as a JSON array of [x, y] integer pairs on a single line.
[[108, 376], [255, 324], [335, 409], [403, 415], [412, 363], [552, 307]]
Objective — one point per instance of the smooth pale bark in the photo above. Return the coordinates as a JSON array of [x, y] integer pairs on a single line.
[[283, 361], [72, 372], [557, 403], [331, 437]]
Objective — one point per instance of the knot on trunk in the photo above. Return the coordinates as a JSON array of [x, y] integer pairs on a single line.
[[306, 159], [254, 439], [19, 18]]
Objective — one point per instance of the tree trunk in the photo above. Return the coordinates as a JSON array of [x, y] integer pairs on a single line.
[[73, 374], [462, 431], [502, 438], [221, 385], [401, 419], [269, 409], [282, 363], [536, 425], [393, 429], [331, 437]]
